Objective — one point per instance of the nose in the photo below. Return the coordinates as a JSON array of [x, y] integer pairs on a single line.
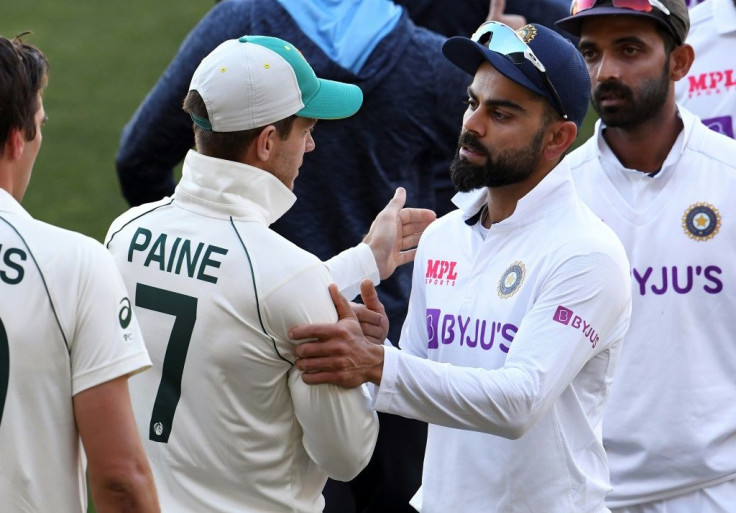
[[608, 69], [309, 144], [473, 121]]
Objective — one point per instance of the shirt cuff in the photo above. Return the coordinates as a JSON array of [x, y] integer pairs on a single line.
[[350, 267], [383, 393]]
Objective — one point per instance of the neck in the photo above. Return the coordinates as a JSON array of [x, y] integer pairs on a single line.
[[502, 201], [646, 146]]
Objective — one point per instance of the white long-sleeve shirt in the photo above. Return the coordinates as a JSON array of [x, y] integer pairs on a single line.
[[231, 426], [509, 349]]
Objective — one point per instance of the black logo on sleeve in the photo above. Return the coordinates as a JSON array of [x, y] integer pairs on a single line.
[[126, 313]]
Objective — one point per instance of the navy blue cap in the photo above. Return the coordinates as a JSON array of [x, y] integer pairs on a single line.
[[564, 66]]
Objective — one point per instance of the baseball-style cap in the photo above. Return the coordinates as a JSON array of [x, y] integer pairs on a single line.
[[671, 14], [534, 57], [253, 81]]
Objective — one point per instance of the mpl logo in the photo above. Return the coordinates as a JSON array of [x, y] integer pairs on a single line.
[[712, 82], [440, 272], [568, 318]]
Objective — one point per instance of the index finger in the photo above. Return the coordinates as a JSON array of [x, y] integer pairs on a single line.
[[496, 8]]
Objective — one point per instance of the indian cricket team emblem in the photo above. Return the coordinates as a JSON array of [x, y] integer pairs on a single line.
[[527, 33], [701, 221], [511, 280]]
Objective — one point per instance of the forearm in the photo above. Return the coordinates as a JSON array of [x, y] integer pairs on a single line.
[[128, 489]]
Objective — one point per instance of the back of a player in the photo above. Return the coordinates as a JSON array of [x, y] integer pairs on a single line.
[[53, 306], [216, 413]]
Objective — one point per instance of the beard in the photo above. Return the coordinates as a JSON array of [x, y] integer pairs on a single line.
[[508, 167], [635, 109]]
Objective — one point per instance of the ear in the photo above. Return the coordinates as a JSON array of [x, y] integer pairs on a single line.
[[560, 135], [14, 144], [681, 59], [264, 144]]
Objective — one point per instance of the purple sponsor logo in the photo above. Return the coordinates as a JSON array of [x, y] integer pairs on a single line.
[[678, 279], [568, 318], [722, 125], [446, 329]]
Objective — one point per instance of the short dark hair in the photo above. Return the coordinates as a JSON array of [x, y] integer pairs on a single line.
[[23, 75], [227, 145]]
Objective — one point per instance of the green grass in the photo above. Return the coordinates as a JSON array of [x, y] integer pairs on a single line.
[[105, 56]]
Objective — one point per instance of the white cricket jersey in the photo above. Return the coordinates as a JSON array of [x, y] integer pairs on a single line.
[[709, 89], [670, 424], [66, 325], [227, 422], [510, 345]]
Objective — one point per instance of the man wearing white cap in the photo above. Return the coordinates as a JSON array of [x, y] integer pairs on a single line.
[[228, 423]]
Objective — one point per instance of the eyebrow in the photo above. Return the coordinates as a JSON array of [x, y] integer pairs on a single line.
[[618, 41], [497, 102]]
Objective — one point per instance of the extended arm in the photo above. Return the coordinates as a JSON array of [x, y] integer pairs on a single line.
[[544, 358], [119, 475]]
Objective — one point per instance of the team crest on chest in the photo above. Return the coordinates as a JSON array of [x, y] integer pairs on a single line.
[[701, 221], [511, 280]]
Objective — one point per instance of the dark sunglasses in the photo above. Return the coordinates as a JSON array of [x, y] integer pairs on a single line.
[[502, 39], [634, 5]]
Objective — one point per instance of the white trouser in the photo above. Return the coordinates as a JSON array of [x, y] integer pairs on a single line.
[[720, 498]]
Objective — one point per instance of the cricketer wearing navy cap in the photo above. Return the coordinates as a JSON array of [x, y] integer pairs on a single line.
[[519, 300]]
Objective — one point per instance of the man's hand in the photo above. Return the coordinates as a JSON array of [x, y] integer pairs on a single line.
[[395, 233], [341, 355], [496, 12], [371, 314]]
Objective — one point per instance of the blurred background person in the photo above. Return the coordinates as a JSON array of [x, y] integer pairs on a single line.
[[709, 89]]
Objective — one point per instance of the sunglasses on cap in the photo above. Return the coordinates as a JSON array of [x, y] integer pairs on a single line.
[[634, 5], [503, 40]]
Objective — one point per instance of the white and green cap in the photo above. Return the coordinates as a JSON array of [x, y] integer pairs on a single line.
[[253, 81]]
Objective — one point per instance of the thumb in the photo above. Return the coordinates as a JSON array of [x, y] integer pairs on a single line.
[[496, 8], [397, 202], [341, 304], [370, 296]]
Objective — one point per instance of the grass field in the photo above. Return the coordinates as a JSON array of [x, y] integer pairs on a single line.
[[105, 56]]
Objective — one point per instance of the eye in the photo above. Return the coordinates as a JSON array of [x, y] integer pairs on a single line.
[[500, 116], [630, 50], [589, 54], [471, 103]]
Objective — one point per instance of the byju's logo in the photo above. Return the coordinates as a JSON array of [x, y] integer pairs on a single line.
[[568, 318], [440, 272]]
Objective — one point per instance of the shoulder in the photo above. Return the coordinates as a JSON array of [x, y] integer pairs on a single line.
[[716, 148], [700, 16], [131, 215]]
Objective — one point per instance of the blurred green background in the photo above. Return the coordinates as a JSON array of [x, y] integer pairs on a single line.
[[105, 56]]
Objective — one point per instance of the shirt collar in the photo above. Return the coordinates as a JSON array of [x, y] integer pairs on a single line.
[[9, 204], [673, 157], [223, 188], [553, 191]]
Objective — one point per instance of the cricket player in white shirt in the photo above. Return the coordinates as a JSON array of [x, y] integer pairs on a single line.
[[665, 184], [520, 300], [68, 338], [227, 421]]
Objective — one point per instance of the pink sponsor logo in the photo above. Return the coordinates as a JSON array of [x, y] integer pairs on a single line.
[[440, 272], [716, 81], [568, 318]]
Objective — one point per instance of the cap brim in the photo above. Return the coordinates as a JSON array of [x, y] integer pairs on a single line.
[[572, 24], [334, 100], [469, 55]]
